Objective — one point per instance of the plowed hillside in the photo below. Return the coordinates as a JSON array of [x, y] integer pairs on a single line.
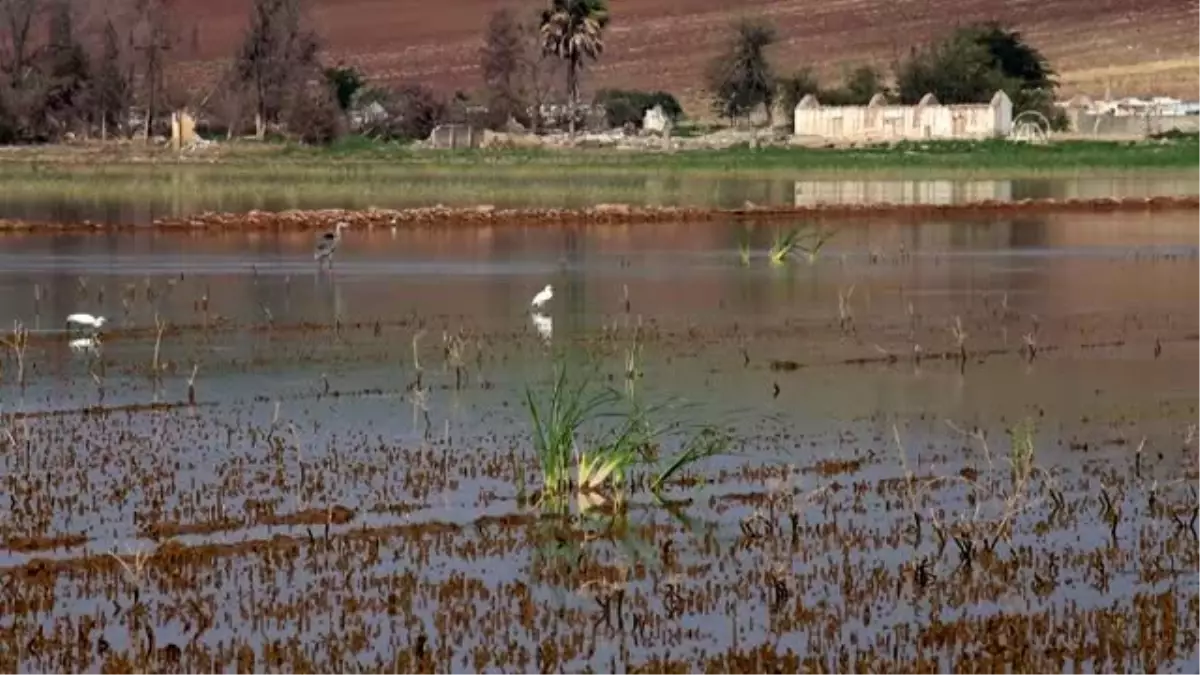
[[1132, 46]]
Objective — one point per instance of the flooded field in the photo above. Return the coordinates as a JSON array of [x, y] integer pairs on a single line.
[[959, 444], [141, 194]]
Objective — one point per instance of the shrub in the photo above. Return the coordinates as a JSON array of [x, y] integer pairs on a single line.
[[794, 88], [412, 111], [623, 107], [975, 61], [346, 82], [314, 117]]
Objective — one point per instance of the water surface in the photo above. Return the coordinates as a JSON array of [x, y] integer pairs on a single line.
[[132, 194], [323, 362]]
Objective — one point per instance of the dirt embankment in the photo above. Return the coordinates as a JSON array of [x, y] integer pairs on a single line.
[[602, 213]]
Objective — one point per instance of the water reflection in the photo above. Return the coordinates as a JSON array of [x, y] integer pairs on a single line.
[[137, 195], [679, 273], [946, 192]]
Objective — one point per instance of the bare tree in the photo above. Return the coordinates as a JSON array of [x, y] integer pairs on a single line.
[[152, 38], [17, 20], [109, 88], [277, 55]]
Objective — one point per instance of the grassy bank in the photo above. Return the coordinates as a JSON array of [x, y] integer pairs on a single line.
[[934, 157]]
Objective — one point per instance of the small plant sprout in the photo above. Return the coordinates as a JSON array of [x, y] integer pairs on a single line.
[[845, 311], [416, 354], [960, 338], [1021, 451], [191, 385], [160, 326], [708, 443], [743, 244], [455, 351], [18, 342], [135, 573], [819, 239]]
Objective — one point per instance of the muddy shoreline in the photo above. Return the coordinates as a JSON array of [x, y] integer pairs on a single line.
[[297, 220]]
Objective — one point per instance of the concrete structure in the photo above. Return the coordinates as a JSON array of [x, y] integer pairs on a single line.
[[183, 130], [453, 136], [927, 120]]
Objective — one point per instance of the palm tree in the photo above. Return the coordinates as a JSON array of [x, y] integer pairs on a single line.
[[572, 31]]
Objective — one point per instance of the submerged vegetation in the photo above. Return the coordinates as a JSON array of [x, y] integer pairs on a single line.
[[236, 452]]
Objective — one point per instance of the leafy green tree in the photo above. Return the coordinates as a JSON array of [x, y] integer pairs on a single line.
[[504, 62], [345, 83], [862, 85], [974, 62], [793, 88], [741, 78], [573, 30], [1012, 55]]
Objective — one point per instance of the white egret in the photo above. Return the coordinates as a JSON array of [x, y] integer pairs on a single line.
[[542, 297], [86, 321], [543, 324], [328, 242]]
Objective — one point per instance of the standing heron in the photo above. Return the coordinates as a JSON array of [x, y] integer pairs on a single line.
[[327, 243]]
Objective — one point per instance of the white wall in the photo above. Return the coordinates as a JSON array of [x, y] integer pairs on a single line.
[[905, 122]]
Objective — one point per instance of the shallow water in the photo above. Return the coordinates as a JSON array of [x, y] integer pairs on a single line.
[[139, 195], [439, 544]]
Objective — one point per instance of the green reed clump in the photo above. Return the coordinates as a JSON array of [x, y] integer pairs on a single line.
[[620, 437], [809, 241], [783, 245]]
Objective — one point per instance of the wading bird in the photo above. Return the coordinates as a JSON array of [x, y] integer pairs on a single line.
[[328, 242], [86, 321], [542, 297]]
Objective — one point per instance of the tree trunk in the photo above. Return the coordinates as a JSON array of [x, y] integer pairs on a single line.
[[572, 93], [104, 126]]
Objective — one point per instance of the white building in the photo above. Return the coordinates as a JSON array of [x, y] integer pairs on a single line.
[[927, 120]]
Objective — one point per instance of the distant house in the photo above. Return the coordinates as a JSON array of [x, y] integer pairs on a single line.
[[927, 120]]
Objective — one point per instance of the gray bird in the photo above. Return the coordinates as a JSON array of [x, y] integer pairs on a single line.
[[328, 242]]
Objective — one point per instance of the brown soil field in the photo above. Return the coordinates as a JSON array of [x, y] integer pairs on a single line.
[[1130, 46]]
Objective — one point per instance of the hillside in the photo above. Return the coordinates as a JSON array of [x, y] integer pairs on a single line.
[[1132, 46]]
